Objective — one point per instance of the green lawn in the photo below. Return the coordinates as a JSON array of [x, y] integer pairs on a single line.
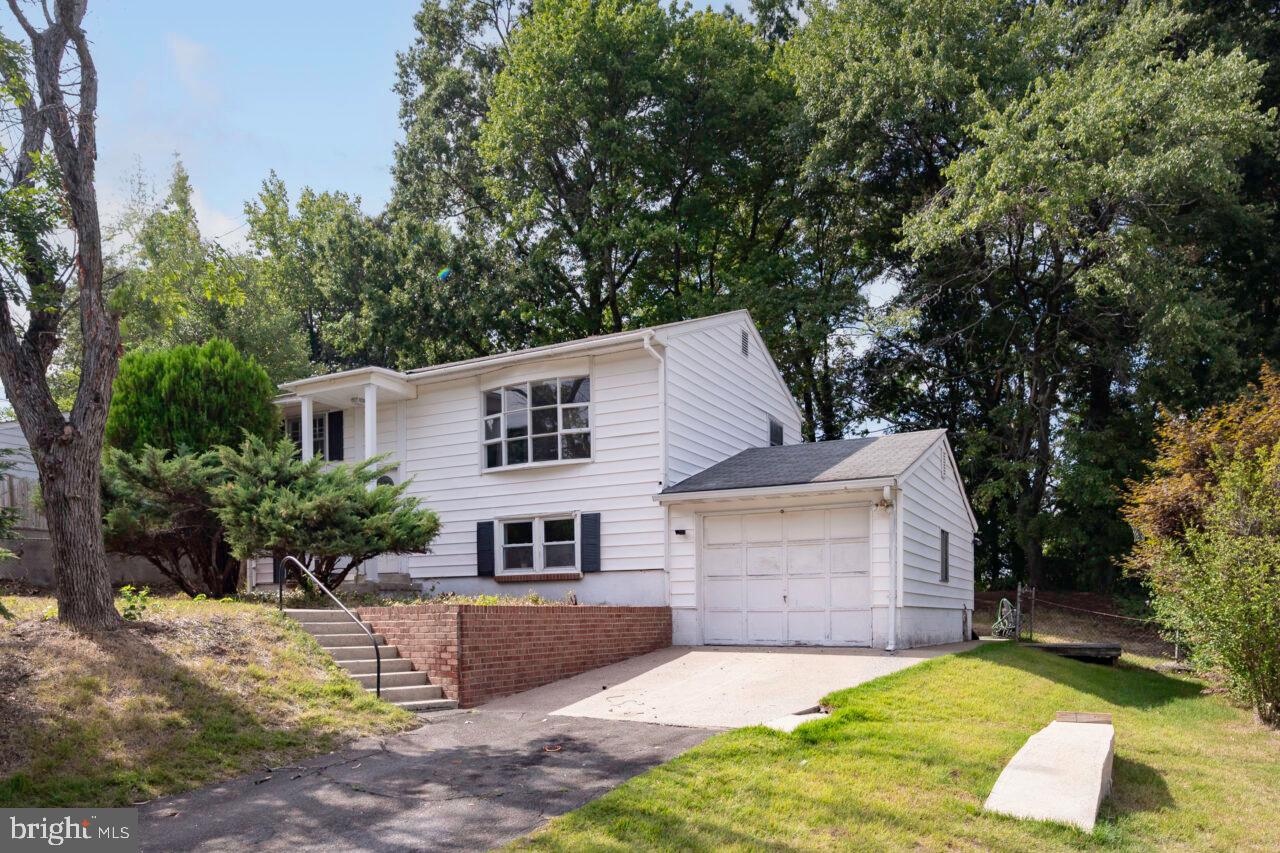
[[214, 690], [906, 761]]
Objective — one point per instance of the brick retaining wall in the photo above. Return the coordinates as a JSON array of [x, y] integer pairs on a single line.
[[480, 652]]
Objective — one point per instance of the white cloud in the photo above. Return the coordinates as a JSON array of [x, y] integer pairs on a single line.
[[215, 225], [192, 63]]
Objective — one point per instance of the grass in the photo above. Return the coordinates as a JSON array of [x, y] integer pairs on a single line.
[[905, 762], [207, 690]]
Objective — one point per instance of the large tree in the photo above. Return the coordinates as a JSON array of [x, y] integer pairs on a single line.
[[1038, 180], [52, 90], [176, 286]]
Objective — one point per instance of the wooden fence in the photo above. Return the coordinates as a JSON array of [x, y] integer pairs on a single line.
[[17, 493]]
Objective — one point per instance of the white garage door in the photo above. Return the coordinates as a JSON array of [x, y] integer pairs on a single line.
[[787, 577]]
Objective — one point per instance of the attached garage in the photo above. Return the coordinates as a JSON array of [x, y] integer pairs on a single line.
[[862, 542], [782, 577]]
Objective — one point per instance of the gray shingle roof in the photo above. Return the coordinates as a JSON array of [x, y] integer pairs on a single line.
[[823, 462]]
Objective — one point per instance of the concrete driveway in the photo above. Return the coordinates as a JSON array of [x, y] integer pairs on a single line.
[[721, 687]]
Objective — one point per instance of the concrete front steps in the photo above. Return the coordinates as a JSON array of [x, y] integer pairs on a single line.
[[348, 645]]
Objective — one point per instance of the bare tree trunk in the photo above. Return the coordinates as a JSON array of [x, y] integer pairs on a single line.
[[67, 448]]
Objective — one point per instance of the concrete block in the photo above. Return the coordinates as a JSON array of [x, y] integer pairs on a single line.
[[1062, 773]]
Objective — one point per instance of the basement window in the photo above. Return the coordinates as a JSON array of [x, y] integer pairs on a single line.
[[540, 544]]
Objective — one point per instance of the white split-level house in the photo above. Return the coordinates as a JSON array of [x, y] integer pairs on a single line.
[[660, 466]]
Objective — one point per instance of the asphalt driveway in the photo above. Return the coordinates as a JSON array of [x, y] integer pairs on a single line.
[[465, 780], [471, 780]]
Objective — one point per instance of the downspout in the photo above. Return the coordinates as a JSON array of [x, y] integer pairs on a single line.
[[662, 408], [662, 458], [895, 593]]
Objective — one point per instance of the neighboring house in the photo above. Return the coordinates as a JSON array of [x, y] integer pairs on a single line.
[[12, 439], [660, 466]]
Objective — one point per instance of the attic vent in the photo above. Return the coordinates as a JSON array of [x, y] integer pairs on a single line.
[[746, 343]]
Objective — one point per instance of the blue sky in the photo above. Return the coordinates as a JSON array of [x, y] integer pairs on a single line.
[[239, 88]]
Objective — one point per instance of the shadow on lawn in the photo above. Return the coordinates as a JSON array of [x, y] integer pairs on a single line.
[[1121, 685], [1135, 787], [165, 727]]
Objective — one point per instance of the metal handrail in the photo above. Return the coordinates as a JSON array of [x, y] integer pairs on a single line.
[[377, 655]]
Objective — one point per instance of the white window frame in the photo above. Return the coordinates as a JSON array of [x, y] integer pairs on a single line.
[[319, 440], [539, 544], [501, 441]]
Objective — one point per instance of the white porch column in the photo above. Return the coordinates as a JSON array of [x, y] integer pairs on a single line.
[[370, 421], [307, 429]]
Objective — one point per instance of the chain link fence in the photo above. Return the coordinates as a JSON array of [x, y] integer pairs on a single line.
[[1046, 617]]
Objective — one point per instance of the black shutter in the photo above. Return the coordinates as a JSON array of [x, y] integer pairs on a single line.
[[333, 433], [590, 522], [484, 548], [277, 571]]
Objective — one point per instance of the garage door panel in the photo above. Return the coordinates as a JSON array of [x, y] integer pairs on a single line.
[[851, 627], [853, 523], [764, 560], [807, 627], [766, 593], [724, 627], [847, 557], [722, 529], [722, 561], [763, 527], [768, 627], [808, 593], [807, 559], [805, 525], [851, 591], [787, 577], [725, 594]]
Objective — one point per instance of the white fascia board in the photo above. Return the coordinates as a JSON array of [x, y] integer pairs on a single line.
[[778, 491], [389, 380], [488, 365]]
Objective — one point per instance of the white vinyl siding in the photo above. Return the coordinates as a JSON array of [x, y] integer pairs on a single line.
[[719, 401], [931, 502], [442, 455]]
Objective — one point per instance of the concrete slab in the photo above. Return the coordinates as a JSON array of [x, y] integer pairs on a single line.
[[720, 687], [1062, 773], [793, 721]]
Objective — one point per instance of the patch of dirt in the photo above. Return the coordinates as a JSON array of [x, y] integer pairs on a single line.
[[17, 712]]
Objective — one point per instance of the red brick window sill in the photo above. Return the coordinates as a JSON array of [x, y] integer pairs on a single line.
[[538, 576]]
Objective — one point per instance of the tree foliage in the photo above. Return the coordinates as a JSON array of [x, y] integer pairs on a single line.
[[176, 286], [1039, 178], [190, 398], [1192, 452], [1066, 211], [332, 518], [1208, 525], [159, 506]]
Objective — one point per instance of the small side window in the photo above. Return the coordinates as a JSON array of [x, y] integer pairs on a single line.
[[944, 546], [775, 432]]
